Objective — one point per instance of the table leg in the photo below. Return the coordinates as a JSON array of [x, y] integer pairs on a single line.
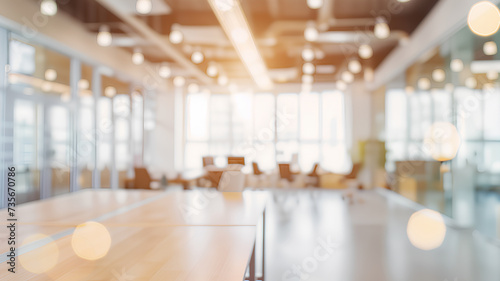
[[264, 245], [252, 265]]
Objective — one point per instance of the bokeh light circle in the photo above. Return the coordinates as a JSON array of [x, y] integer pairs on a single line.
[[91, 240], [42, 259], [426, 229], [484, 18]]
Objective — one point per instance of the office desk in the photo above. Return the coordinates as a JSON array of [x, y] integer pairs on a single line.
[[151, 239]]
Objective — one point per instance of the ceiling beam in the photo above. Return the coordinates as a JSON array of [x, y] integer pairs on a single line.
[[149, 34]]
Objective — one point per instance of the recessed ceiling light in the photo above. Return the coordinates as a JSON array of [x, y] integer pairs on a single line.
[[403, 1], [48, 7], [382, 30], [144, 6], [409, 90], [104, 37], [365, 51], [176, 37]]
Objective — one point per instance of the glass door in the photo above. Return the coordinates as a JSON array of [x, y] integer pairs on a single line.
[[27, 149], [58, 148]]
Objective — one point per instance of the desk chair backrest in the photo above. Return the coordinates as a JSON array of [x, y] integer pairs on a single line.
[[314, 171], [214, 177], [256, 170], [142, 178], [285, 171], [208, 161], [232, 181], [354, 172], [236, 160]]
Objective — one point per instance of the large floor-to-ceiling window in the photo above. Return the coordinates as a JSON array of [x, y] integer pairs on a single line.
[[304, 128]]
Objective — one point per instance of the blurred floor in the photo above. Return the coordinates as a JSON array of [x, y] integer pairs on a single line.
[[368, 242]]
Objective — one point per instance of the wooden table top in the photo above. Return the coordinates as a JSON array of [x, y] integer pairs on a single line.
[[190, 253], [155, 235]]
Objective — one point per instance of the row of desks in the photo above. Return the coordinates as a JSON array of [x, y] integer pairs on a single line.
[[150, 235]]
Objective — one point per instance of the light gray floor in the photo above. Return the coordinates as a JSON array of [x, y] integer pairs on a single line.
[[369, 242]]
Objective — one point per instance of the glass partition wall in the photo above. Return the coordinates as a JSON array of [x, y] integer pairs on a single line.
[[65, 126], [450, 100]]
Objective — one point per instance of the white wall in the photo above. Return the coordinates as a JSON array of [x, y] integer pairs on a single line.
[[161, 145]]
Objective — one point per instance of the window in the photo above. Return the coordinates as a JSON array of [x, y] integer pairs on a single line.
[[267, 129]]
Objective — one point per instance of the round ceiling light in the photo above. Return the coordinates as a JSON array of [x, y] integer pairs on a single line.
[[490, 48], [314, 4], [354, 66], [382, 30], [164, 71], [424, 84], [347, 76], [438, 75], [212, 70], [137, 57], [50, 75], [456, 65], [179, 81], [176, 37], [311, 34], [471, 82], [308, 68], [197, 57], [144, 6], [104, 37], [365, 51], [308, 54], [110, 91], [48, 7]]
